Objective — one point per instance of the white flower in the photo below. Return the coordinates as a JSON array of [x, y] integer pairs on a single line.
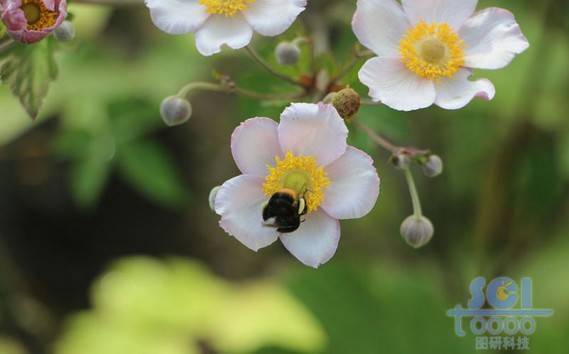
[[426, 49], [307, 155], [219, 22]]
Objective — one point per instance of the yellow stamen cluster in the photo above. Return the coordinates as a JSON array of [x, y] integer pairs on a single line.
[[301, 174], [38, 15], [432, 51], [227, 8]]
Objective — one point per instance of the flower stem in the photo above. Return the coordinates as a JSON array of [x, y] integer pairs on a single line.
[[378, 139], [357, 54], [411, 152], [230, 87], [201, 86], [413, 192], [262, 62]]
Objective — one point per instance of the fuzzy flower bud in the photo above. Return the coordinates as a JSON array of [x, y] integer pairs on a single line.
[[347, 102], [433, 166], [417, 231], [400, 160], [287, 53], [65, 32], [212, 196], [175, 110]]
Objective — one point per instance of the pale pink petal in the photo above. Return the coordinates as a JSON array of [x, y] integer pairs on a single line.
[[177, 16], [493, 38], [453, 12], [218, 30], [379, 25], [458, 91], [273, 17], [240, 202], [14, 19], [390, 82], [254, 145], [315, 241], [354, 185], [313, 130]]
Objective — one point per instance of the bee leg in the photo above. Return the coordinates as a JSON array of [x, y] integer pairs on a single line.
[[301, 206]]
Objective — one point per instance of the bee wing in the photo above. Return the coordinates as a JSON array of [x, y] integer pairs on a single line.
[[270, 222]]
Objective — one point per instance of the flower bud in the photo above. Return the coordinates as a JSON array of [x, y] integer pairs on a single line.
[[175, 110], [287, 53], [417, 231], [400, 160], [65, 32], [212, 196], [347, 102], [433, 166]]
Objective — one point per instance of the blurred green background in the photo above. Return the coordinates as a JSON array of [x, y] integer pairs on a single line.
[[108, 245]]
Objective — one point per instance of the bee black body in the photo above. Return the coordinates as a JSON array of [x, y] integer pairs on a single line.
[[285, 210]]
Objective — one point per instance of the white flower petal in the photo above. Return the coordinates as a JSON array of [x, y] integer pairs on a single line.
[[354, 185], [219, 30], [458, 91], [390, 82], [273, 17], [254, 145], [240, 202], [315, 241], [177, 16], [379, 25], [313, 130], [493, 38], [453, 12]]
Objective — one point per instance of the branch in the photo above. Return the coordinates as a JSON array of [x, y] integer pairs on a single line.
[[259, 60], [410, 151], [229, 86]]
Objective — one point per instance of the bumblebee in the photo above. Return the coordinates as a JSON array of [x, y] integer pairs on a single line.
[[284, 210]]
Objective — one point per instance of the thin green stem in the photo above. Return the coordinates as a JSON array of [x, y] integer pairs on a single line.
[[262, 62], [413, 192], [387, 145], [201, 86], [357, 54], [231, 88]]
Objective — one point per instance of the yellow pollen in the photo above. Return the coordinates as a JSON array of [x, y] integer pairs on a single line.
[[37, 15], [227, 8], [301, 174], [432, 51]]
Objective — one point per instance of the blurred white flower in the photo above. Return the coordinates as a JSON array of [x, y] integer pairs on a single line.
[[426, 49], [219, 22], [299, 178]]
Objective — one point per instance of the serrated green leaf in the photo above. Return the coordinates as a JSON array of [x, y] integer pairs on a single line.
[[29, 71], [147, 166]]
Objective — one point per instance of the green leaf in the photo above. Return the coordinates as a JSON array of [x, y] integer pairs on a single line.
[[90, 172], [2, 30], [133, 118], [29, 71], [149, 168]]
